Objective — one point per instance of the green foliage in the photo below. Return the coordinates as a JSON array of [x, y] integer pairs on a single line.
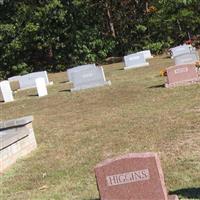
[[55, 34]]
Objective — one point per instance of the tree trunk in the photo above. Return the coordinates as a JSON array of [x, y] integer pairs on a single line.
[[110, 23]]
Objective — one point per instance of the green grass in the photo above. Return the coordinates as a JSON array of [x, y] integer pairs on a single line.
[[75, 131]]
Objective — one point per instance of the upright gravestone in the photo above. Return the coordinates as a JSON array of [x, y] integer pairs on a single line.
[[147, 54], [28, 81], [182, 75], [188, 58], [182, 49], [14, 78], [134, 61], [74, 69], [41, 87], [136, 176], [6, 91], [91, 77]]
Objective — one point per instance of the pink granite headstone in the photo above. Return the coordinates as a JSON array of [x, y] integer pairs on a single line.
[[182, 75], [136, 176]]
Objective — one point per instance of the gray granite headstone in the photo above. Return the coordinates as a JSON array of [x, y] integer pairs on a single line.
[[70, 71], [182, 49], [14, 78], [84, 78], [16, 140], [28, 80], [188, 58], [135, 60], [147, 54]]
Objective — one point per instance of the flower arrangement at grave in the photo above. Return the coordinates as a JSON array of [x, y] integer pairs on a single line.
[[198, 65], [163, 72]]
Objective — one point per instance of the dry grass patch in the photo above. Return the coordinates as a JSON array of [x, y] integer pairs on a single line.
[[75, 131]]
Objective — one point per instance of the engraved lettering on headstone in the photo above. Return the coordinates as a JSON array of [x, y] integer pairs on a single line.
[[129, 177], [134, 58], [181, 70]]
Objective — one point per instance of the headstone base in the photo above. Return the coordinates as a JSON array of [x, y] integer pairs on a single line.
[[136, 66], [183, 83], [90, 86]]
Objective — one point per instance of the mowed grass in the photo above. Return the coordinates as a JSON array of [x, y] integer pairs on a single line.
[[76, 131]]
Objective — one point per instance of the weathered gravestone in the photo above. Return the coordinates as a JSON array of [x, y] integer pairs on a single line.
[[136, 176], [134, 61], [84, 78], [41, 87], [28, 81], [147, 54], [6, 91], [17, 139], [182, 49], [182, 75], [74, 69], [188, 58]]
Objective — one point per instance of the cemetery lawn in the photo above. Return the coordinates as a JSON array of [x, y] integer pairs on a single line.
[[75, 131]]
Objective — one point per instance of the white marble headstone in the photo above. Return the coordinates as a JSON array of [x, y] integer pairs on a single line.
[[182, 49], [189, 58], [6, 91], [41, 87], [84, 78], [28, 80], [147, 54], [70, 71], [14, 78], [135, 60]]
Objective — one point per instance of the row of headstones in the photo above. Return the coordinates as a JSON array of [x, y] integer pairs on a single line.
[[89, 76], [82, 77], [184, 71], [37, 79]]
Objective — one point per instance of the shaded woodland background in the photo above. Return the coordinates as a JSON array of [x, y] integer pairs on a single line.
[[54, 35]]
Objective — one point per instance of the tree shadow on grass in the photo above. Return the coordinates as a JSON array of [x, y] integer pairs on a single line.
[[189, 193], [92, 199], [157, 86]]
